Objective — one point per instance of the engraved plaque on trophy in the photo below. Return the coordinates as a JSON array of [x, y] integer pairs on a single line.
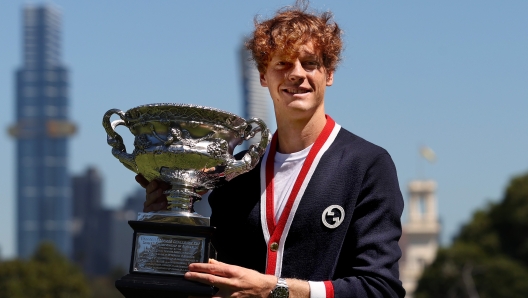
[[191, 148], [166, 254]]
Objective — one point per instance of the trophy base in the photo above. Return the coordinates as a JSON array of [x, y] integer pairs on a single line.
[[161, 254], [155, 286]]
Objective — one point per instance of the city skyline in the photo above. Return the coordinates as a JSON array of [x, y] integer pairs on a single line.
[[451, 76]]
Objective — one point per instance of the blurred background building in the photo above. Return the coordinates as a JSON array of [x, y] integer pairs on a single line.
[[121, 234], [41, 131], [255, 98], [102, 238], [420, 238], [91, 233]]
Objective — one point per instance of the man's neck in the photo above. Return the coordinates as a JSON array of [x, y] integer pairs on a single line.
[[295, 135]]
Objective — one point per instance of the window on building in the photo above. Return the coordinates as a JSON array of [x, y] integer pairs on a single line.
[[29, 111], [51, 76], [50, 191], [30, 191], [51, 111], [30, 91], [30, 76], [30, 225], [27, 161]]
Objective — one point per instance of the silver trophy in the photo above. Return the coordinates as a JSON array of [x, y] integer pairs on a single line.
[[188, 146], [191, 148]]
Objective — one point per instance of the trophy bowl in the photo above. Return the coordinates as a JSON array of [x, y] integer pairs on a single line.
[[188, 146]]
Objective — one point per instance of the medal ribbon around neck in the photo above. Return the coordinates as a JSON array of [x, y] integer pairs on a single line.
[[276, 228]]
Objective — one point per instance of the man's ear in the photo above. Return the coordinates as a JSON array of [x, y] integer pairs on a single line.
[[263, 81], [330, 78]]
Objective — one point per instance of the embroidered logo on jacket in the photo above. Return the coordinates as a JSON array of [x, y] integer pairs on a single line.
[[333, 216]]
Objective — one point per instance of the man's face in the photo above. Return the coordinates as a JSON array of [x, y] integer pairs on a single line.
[[297, 84]]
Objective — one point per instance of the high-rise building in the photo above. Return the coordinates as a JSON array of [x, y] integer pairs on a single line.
[[91, 221], [113, 245], [41, 131], [256, 98], [121, 233]]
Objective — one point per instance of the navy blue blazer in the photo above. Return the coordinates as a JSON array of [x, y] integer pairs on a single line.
[[358, 258]]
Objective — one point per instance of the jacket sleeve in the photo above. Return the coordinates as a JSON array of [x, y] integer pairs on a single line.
[[368, 262]]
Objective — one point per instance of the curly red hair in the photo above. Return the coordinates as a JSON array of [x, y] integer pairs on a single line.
[[292, 27]]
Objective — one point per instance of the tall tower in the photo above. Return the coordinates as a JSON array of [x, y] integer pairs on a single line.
[[419, 242], [255, 97], [41, 131]]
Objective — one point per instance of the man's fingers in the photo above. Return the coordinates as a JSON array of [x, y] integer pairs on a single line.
[[156, 197], [209, 279], [141, 180], [213, 261], [152, 186], [213, 267], [155, 184], [164, 185], [155, 206]]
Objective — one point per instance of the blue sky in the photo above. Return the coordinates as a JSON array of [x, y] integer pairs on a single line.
[[452, 75]]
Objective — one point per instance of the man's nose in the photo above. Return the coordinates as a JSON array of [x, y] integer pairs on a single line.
[[297, 72]]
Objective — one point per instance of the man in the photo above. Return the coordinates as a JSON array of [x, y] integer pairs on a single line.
[[320, 215]]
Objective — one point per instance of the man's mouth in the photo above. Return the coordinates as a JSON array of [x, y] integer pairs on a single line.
[[297, 90]]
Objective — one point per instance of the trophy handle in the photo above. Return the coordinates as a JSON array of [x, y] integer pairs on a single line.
[[116, 141], [251, 158]]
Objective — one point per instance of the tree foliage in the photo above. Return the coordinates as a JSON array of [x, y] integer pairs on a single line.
[[510, 220], [465, 270], [489, 256], [47, 274], [104, 286]]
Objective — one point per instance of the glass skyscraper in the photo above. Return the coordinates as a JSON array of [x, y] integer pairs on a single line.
[[41, 131]]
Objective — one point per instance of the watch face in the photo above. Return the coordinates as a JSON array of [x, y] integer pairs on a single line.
[[280, 292]]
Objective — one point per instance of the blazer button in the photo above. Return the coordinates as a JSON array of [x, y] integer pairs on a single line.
[[274, 246]]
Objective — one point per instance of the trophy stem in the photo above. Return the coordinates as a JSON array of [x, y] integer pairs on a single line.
[[181, 198], [179, 210]]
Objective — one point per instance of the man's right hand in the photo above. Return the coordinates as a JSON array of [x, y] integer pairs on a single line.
[[155, 200]]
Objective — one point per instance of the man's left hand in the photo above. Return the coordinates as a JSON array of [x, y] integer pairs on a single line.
[[232, 281]]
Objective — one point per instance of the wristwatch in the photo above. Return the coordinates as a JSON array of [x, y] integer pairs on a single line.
[[281, 289]]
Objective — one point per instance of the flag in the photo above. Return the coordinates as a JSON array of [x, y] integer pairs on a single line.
[[428, 154]]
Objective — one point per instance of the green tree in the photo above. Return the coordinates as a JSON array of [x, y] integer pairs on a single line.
[[465, 270], [489, 256], [104, 286], [510, 220], [480, 231], [47, 274]]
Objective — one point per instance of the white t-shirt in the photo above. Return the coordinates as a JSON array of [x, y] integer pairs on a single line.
[[286, 170]]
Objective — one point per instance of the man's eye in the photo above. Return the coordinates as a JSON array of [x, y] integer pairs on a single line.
[[311, 65], [281, 64]]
